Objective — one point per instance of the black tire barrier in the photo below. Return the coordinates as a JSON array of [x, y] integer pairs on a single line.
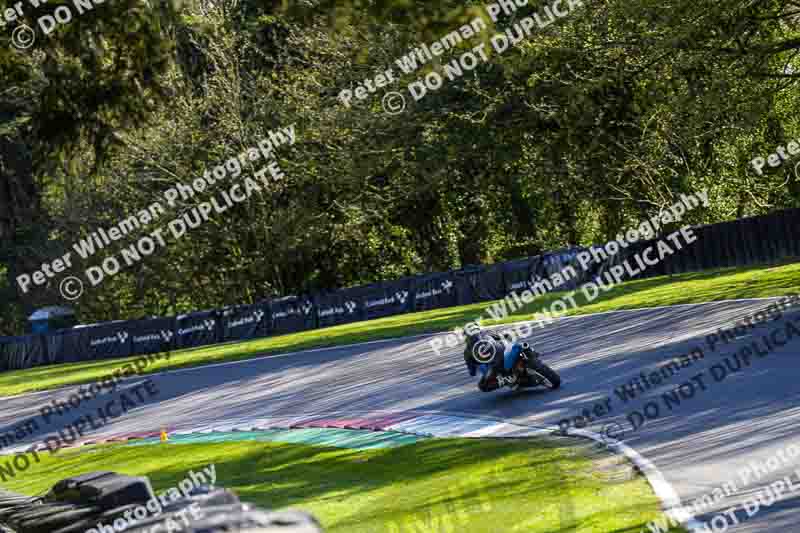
[[95, 503]]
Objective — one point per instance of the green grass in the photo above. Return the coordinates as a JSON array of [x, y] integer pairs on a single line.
[[435, 486], [714, 285]]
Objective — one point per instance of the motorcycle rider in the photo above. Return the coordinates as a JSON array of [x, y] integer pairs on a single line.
[[492, 349]]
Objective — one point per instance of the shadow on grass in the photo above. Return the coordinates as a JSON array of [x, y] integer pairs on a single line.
[[431, 486]]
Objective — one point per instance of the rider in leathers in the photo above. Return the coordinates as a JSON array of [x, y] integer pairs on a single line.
[[490, 346]]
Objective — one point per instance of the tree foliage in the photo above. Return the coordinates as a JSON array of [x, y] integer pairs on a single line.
[[582, 129]]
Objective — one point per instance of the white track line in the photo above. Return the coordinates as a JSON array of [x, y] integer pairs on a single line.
[[497, 429], [670, 501]]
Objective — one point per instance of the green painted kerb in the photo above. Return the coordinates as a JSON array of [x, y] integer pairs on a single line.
[[354, 439]]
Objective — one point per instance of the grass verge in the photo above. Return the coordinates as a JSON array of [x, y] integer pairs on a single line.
[[434, 486], [713, 285]]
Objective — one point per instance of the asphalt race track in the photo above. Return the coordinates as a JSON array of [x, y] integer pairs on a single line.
[[700, 444]]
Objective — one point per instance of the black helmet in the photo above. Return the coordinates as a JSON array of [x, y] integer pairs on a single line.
[[472, 331], [483, 348]]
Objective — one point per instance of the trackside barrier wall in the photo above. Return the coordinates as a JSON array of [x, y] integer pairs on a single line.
[[749, 241], [739, 243]]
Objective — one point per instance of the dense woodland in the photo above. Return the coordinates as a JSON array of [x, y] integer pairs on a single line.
[[584, 128]]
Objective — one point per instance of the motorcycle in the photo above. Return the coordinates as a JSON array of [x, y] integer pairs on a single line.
[[528, 371]]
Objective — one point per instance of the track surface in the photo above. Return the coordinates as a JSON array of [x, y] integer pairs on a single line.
[[700, 445]]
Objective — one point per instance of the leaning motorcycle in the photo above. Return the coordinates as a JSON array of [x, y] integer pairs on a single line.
[[528, 371]]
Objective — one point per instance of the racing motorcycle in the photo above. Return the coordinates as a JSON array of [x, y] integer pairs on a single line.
[[528, 371]]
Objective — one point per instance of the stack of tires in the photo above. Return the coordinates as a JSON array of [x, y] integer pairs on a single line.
[[102, 502]]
